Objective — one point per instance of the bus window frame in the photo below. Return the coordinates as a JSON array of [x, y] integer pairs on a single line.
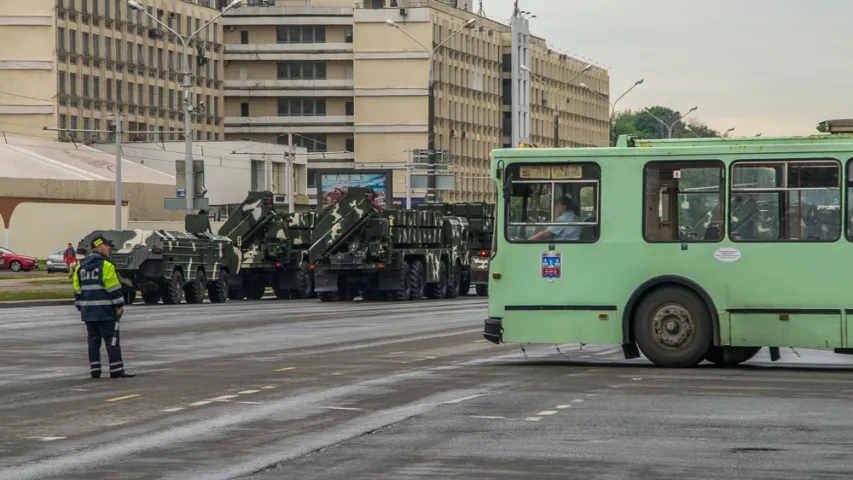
[[842, 187], [845, 203], [596, 226], [723, 186]]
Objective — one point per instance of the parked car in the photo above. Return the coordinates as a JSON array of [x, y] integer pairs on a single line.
[[14, 262], [56, 262]]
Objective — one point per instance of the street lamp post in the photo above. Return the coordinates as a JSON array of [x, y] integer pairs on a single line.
[[187, 84], [613, 109], [669, 127], [430, 195], [556, 110]]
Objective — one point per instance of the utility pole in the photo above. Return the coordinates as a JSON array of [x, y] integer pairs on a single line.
[[189, 171], [290, 152], [556, 128], [409, 180], [118, 133], [430, 195]]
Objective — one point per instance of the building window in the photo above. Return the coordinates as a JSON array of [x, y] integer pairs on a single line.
[[553, 203], [348, 35], [171, 61], [300, 34], [96, 45], [350, 145], [295, 107], [86, 86], [350, 108], [244, 109], [507, 62], [84, 39], [257, 175], [683, 201], [302, 70], [784, 201], [73, 79], [61, 82], [60, 39], [72, 41], [109, 89], [244, 37], [313, 142], [96, 88]]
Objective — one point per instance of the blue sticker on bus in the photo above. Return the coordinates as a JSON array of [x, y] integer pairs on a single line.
[[551, 265]]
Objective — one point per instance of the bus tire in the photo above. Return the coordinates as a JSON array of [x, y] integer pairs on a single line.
[[673, 327], [726, 356]]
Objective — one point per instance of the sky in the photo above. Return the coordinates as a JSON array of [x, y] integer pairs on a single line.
[[775, 67]]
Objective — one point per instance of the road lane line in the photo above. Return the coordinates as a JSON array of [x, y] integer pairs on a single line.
[[547, 412], [460, 400], [533, 419], [246, 392], [488, 417], [248, 403], [561, 407], [174, 409], [267, 387], [350, 409], [224, 398], [116, 399], [577, 400], [480, 341], [203, 402], [396, 353], [284, 369]]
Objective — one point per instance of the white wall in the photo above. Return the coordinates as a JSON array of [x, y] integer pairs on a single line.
[[39, 229], [168, 226]]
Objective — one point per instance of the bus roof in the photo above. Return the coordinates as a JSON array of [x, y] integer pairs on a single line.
[[633, 146]]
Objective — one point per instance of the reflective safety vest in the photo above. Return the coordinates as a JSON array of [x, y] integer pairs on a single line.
[[97, 291]]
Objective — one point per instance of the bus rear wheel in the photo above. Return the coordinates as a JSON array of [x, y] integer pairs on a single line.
[[673, 327], [730, 355]]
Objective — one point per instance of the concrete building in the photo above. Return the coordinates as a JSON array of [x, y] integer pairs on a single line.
[[354, 91], [231, 169], [52, 193], [72, 63]]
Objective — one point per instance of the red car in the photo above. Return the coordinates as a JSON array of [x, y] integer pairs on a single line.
[[15, 262]]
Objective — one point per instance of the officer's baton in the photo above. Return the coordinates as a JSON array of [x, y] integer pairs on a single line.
[[115, 332]]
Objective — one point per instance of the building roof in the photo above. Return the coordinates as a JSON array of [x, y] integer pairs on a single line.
[[22, 157]]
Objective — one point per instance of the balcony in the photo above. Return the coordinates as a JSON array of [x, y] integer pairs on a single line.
[[276, 87], [291, 120]]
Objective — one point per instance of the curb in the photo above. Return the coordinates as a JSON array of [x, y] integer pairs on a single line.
[[37, 303]]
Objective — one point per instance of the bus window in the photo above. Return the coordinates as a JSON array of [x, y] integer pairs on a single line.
[[683, 201], [553, 203], [786, 201]]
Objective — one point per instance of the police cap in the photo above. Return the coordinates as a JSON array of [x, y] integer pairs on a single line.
[[100, 240]]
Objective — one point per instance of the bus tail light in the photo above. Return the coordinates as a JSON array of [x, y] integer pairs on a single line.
[[484, 253], [156, 250], [496, 275]]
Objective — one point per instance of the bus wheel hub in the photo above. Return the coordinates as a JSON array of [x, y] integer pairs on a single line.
[[672, 325]]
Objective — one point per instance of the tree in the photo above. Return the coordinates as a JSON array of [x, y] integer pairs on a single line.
[[643, 125]]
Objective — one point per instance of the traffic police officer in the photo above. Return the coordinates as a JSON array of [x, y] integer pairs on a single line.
[[98, 298]]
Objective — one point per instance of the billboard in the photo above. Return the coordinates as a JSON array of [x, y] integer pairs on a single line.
[[331, 185]]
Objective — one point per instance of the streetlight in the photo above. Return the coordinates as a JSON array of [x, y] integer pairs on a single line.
[[556, 110], [613, 109], [669, 127], [430, 195], [187, 84]]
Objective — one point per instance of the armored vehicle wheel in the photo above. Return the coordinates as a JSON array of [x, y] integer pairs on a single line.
[[236, 294], [217, 292], [151, 297], [438, 290], [173, 291], [129, 296], [730, 355], [483, 290], [673, 327], [417, 280], [194, 289], [404, 291], [257, 288], [454, 281], [305, 282]]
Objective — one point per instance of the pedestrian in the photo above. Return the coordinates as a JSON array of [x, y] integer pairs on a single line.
[[98, 298], [70, 258]]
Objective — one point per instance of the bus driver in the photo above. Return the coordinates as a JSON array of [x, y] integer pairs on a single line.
[[566, 210]]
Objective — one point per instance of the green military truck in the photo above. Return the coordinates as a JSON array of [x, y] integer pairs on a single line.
[[171, 266], [359, 250], [481, 223], [273, 248]]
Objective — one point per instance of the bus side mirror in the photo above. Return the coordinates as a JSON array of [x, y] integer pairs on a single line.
[[508, 185]]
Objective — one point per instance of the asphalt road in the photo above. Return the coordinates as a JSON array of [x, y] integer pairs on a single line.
[[308, 390]]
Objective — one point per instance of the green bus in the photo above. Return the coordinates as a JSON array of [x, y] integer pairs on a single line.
[[685, 250]]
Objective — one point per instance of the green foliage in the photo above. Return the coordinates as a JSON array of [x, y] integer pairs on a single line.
[[644, 125]]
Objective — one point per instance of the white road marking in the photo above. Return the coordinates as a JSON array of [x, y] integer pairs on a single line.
[[353, 409], [488, 417], [636, 378], [563, 406], [246, 392], [174, 409], [46, 439], [80, 389], [203, 402], [533, 419], [267, 387], [459, 400], [248, 403], [547, 412], [224, 398], [577, 400]]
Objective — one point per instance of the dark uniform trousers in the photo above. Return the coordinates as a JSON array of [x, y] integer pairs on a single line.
[[97, 296]]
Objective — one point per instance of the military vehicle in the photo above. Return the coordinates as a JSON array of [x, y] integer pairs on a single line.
[[169, 266], [481, 222], [360, 250], [273, 248]]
